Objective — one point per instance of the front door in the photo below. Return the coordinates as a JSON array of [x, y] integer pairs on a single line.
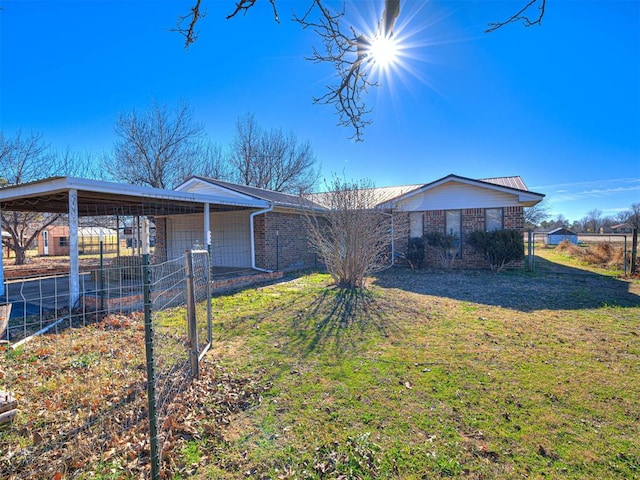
[[45, 243]]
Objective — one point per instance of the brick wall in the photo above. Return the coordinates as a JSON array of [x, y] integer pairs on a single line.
[[513, 218], [281, 241], [472, 219]]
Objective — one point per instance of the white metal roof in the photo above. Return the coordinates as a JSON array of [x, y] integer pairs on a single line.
[[97, 197]]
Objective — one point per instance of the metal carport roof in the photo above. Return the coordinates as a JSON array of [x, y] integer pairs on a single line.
[[96, 198]]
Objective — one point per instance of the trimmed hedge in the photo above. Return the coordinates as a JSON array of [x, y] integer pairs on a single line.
[[499, 247]]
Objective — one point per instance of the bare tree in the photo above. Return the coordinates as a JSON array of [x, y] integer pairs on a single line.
[[271, 159], [353, 237], [345, 48], [215, 163], [533, 216], [158, 147], [25, 158], [594, 220]]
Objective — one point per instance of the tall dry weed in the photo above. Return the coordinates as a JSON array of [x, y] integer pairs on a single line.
[[604, 254]]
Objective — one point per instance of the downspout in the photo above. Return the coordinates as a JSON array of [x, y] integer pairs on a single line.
[[253, 241]]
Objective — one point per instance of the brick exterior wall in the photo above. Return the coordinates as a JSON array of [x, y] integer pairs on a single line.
[[513, 218], [471, 219], [281, 241]]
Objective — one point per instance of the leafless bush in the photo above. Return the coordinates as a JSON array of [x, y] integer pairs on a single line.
[[351, 237]]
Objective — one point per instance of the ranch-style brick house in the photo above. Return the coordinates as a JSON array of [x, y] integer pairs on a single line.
[[274, 238], [247, 227]]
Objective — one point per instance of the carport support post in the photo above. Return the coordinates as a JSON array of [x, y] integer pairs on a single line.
[[74, 264]]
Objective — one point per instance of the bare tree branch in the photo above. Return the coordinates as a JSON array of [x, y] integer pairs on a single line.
[[25, 159], [521, 17], [351, 237], [346, 50], [244, 6], [156, 147], [189, 32]]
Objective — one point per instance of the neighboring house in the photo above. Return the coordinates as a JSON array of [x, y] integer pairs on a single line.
[[622, 228], [54, 240], [555, 236]]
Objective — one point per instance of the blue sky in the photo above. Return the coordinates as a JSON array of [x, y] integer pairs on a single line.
[[557, 104]]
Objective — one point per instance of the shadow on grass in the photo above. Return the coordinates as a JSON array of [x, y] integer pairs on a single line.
[[338, 320], [552, 286]]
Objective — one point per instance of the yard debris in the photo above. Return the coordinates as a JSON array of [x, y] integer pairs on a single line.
[[87, 416]]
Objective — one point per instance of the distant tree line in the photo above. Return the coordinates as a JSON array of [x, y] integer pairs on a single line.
[[593, 222], [158, 147]]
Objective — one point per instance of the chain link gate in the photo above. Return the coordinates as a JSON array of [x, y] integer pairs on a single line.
[[187, 281]]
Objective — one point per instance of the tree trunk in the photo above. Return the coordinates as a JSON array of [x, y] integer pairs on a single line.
[[21, 254]]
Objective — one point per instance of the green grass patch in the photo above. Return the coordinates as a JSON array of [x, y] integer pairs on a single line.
[[429, 375]]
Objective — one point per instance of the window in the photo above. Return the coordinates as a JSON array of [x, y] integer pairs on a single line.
[[493, 219], [453, 226], [416, 224], [64, 241]]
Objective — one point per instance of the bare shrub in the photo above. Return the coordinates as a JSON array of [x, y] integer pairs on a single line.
[[351, 237]]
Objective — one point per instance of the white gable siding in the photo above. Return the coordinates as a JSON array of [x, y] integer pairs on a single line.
[[453, 195], [230, 237]]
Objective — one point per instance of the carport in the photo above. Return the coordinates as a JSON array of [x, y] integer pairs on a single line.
[[80, 197]]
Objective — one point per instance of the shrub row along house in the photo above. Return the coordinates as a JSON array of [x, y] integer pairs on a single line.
[[249, 227]]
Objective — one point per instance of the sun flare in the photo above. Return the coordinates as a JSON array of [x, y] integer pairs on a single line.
[[384, 51]]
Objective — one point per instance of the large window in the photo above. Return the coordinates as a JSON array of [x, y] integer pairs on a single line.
[[493, 219], [453, 226], [416, 224], [63, 241]]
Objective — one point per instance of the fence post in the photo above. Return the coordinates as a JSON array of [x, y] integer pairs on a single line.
[[101, 275], [530, 249], [209, 314], [151, 376], [191, 317]]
